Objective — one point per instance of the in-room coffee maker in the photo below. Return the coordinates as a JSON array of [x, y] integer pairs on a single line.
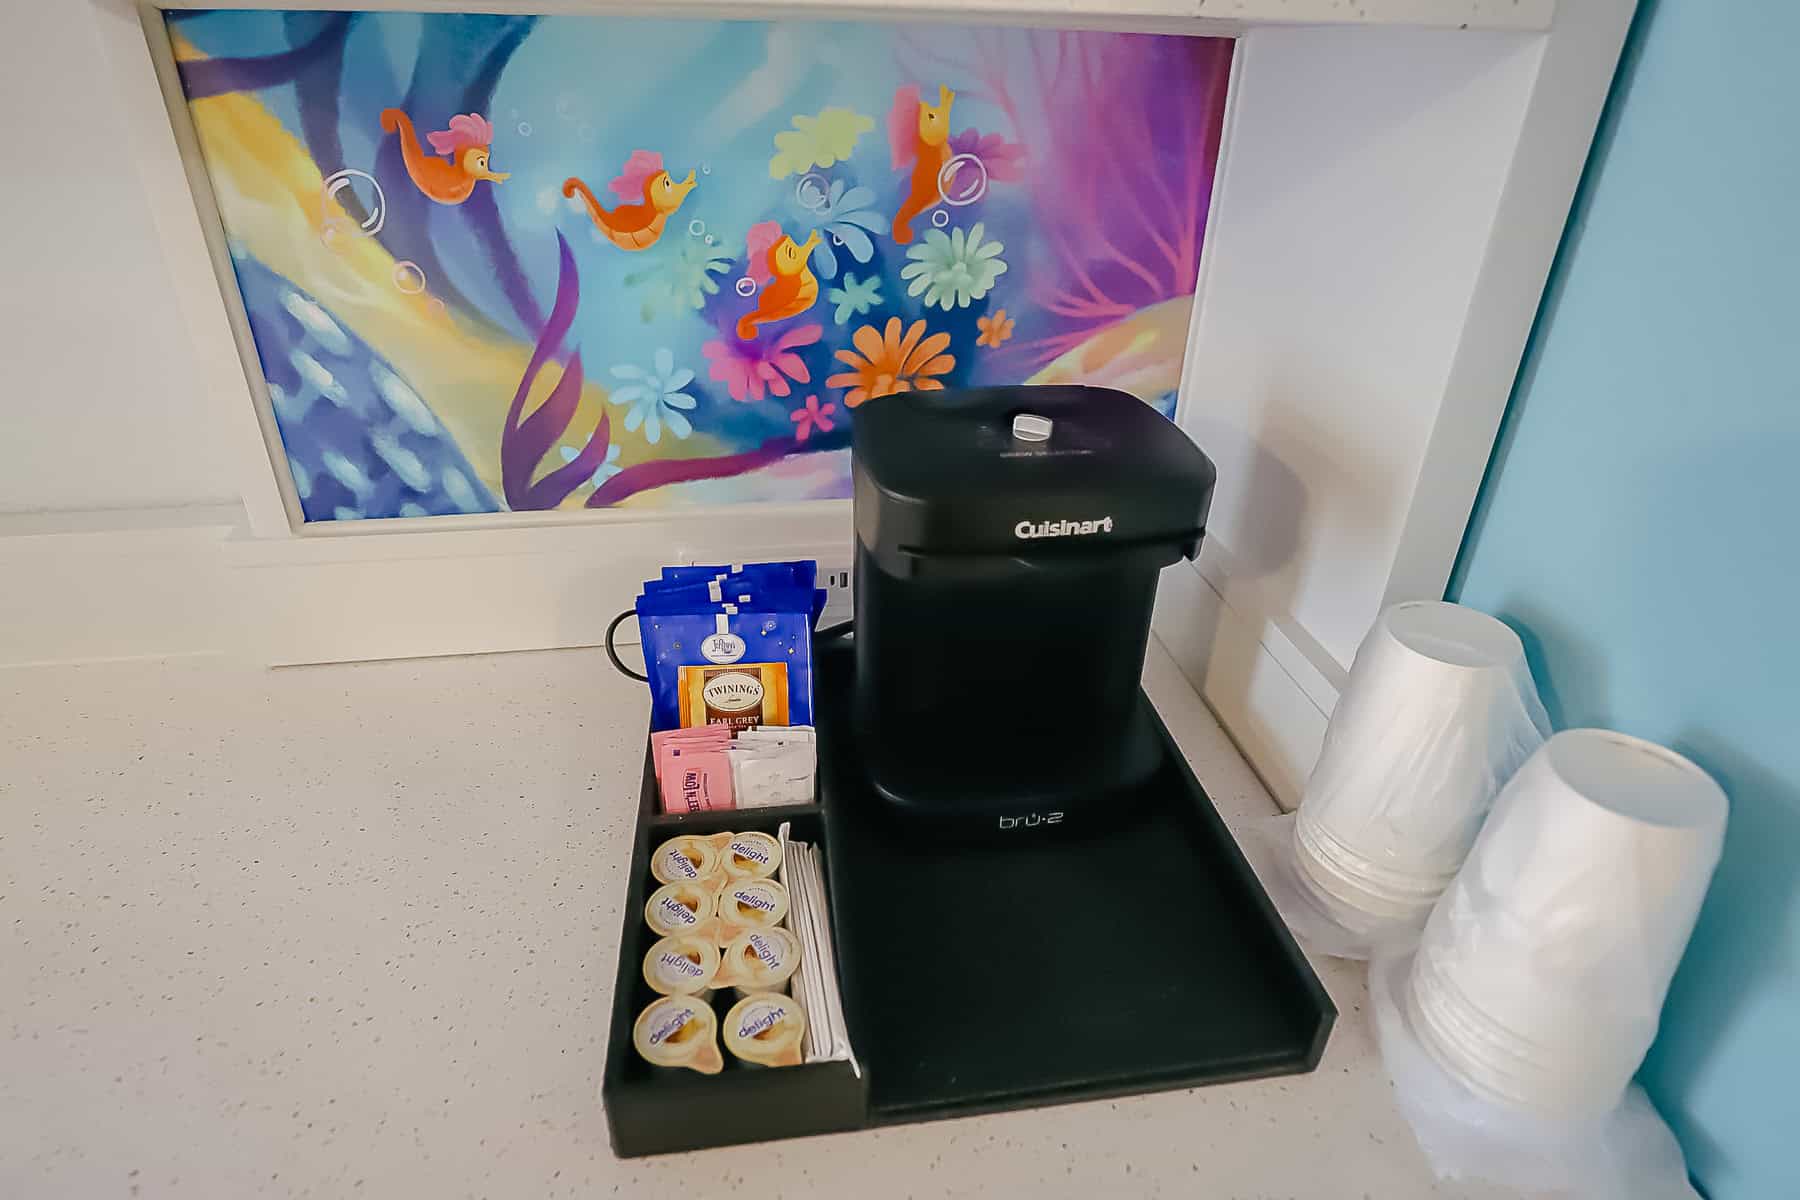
[[1008, 546]]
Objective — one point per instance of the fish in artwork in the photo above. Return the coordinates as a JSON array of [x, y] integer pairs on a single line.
[[919, 137], [787, 286], [650, 194], [465, 148]]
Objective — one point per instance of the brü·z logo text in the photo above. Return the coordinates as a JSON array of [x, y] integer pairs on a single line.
[[1050, 529], [1031, 820]]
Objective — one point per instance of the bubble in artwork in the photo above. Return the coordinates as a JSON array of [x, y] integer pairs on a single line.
[[963, 179], [812, 191], [746, 286], [524, 128], [696, 228], [408, 278], [332, 225], [940, 218], [709, 239]]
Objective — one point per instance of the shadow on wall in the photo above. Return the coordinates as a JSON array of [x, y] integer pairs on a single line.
[[1277, 494], [1267, 514], [1747, 939], [1746, 942], [1583, 670]]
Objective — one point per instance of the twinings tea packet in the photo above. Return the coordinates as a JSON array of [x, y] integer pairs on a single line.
[[737, 696], [689, 858], [762, 960], [679, 1031], [766, 1029], [750, 856], [683, 965], [744, 905], [742, 661], [685, 907]]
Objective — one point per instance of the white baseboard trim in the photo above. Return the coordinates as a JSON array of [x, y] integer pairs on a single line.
[[95, 586], [82, 587], [1271, 686], [426, 593], [183, 581]]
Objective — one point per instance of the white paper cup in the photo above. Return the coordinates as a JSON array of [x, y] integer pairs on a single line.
[[1439, 710], [1542, 972]]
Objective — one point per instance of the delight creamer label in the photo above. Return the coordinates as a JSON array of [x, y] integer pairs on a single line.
[[668, 1024], [679, 865], [751, 851], [766, 950], [759, 1018], [676, 913]]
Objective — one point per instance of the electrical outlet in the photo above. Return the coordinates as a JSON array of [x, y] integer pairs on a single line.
[[840, 602]]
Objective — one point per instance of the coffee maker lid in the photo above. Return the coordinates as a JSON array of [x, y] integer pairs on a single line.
[[1024, 469]]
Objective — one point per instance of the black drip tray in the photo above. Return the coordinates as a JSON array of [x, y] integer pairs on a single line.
[[980, 978]]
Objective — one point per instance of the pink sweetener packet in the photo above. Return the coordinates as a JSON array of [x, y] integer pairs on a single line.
[[696, 781], [664, 743]]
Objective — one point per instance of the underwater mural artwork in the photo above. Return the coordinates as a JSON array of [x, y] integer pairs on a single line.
[[498, 263]]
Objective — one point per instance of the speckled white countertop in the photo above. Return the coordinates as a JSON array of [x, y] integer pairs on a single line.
[[350, 931]]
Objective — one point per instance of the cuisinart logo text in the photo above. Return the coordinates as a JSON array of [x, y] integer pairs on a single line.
[[1048, 529]]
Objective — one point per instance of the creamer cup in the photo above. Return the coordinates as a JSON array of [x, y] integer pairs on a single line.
[[689, 857], [750, 856], [683, 965], [761, 960], [679, 1031], [686, 907], [744, 905], [767, 1030]]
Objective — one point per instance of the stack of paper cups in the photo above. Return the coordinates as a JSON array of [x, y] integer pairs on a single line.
[[1439, 711], [1542, 972]]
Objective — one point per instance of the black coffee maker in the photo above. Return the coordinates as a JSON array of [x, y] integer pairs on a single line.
[[1008, 546]]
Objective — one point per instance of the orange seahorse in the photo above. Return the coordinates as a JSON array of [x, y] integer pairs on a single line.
[[919, 136], [452, 178], [653, 197], [778, 264]]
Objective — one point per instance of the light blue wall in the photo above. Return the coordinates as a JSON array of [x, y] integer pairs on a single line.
[[1640, 526]]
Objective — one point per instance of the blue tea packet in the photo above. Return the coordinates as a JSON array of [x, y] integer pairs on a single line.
[[741, 663], [803, 573], [756, 577]]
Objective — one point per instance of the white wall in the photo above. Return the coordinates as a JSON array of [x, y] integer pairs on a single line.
[[1374, 260], [102, 407], [1342, 270]]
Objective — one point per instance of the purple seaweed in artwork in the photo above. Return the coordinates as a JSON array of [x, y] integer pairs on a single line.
[[527, 438]]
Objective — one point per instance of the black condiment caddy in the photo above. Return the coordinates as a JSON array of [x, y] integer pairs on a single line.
[[977, 979]]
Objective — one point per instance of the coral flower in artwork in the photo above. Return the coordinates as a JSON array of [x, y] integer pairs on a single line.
[[749, 369], [889, 362], [810, 417], [994, 329]]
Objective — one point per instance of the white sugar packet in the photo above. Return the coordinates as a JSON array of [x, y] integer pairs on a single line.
[[769, 775], [815, 981]]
